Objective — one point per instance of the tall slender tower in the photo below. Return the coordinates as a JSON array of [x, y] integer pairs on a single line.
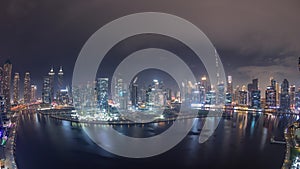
[[27, 88], [16, 89], [6, 84], [60, 79], [217, 67], [51, 83]]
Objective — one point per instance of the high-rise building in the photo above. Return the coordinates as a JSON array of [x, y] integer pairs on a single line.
[[134, 93], [51, 75], [273, 82], [243, 98], [236, 95], [252, 87], [255, 99], [63, 97], [7, 68], [229, 85], [60, 79], [3, 114], [228, 99], [198, 94], [229, 91], [255, 84], [210, 98], [292, 96], [102, 94], [271, 97], [284, 95], [27, 88], [16, 88], [221, 93], [204, 83], [33, 93], [46, 92], [275, 86]]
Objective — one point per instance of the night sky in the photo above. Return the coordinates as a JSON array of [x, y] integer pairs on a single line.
[[254, 39]]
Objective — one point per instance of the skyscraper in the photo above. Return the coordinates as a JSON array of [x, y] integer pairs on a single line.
[[292, 96], [229, 85], [243, 98], [102, 94], [221, 93], [46, 96], [51, 83], [271, 97], [253, 88], [204, 83], [255, 99], [33, 93], [7, 68], [27, 89], [255, 84], [60, 79], [284, 95], [16, 88], [134, 93]]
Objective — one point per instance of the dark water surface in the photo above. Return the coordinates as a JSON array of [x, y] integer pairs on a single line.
[[241, 141]]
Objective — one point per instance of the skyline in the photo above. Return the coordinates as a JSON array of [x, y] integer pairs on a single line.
[[143, 78]]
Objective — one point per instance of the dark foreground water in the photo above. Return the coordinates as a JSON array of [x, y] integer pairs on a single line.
[[240, 142]]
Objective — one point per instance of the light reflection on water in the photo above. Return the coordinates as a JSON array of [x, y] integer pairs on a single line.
[[44, 142]]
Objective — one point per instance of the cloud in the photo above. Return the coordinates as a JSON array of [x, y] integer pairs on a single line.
[[279, 69]]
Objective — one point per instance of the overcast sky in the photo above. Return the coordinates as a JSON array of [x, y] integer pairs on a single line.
[[254, 38]]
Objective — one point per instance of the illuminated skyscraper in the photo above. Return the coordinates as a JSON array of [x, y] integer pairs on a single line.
[[121, 96], [134, 92], [60, 79], [236, 95], [255, 99], [210, 97], [229, 85], [204, 83], [102, 93], [27, 88], [229, 91], [16, 88], [271, 97], [284, 95], [33, 93], [243, 98], [51, 83], [46, 96], [292, 96], [221, 93], [6, 84], [253, 87]]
